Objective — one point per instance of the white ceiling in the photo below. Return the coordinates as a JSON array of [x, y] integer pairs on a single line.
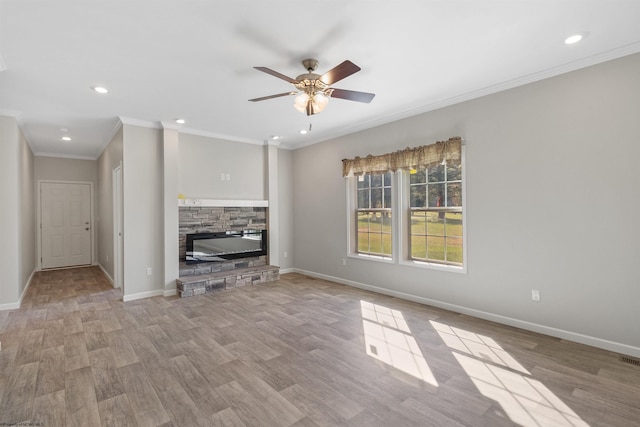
[[163, 60]]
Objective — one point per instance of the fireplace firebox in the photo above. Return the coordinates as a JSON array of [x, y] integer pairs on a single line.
[[222, 246]]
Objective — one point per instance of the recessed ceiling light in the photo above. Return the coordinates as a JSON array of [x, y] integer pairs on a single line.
[[573, 39], [274, 137], [100, 89], [66, 138], [180, 121], [303, 132]]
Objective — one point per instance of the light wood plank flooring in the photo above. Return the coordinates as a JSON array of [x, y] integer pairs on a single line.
[[297, 352]]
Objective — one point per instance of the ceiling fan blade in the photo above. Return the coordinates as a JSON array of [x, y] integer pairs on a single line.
[[352, 95], [275, 74], [272, 96], [339, 72]]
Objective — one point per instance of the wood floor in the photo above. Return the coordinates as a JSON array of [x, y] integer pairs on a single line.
[[297, 352]]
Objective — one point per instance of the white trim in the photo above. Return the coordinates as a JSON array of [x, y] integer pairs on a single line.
[[141, 295], [170, 292], [215, 203], [139, 123], [489, 90], [287, 270], [114, 130], [106, 274], [63, 156], [214, 135], [16, 305], [522, 324]]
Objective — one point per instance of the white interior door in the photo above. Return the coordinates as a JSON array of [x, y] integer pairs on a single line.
[[65, 215]]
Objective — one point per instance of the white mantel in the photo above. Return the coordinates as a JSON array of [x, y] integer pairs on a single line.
[[217, 203]]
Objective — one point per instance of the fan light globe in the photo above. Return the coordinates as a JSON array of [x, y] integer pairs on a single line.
[[320, 100], [301, 102]]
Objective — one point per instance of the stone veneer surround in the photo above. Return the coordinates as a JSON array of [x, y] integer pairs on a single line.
[[198, 219]]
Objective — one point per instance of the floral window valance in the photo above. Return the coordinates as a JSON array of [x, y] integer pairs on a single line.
[[407, 159]]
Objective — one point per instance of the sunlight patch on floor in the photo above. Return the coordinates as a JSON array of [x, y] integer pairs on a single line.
[[498, 376], [388, 339]]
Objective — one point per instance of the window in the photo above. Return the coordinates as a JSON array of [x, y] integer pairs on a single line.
[[435, 214], [406, 207], [373, 214]]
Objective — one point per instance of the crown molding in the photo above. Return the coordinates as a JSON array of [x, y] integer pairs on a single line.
[[64, 156], [140, 123], [170, 125], [197, 132], [489, 90]]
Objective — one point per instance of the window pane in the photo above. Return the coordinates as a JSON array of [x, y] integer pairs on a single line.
[[454, 224], [418, 177], [376, 198], [419, 247], [454, 172], [454, 249], [387, 179], [418, 196], [363, 181], [376, 180], [454, 194], [363, 242], [386, 222], [418, 223], [435, 248], [386, 244], [387, 197], [363, 199], [435, 223], [363, 221], [375, 243], [436, 173], [375, 222], [436, 195]]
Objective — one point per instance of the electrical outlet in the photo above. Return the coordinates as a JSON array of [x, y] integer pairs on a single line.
[[285, 254], [228, 176], [535, 295], [344, 261], [149, 271]]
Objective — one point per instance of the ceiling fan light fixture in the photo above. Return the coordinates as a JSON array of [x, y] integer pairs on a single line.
[[301, 101]]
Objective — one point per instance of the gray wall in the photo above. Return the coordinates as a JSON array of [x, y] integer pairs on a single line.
[[552, 204], [203, 159], [17, 221], [64, 169], [109, 159], [143, 211], [285, 210]]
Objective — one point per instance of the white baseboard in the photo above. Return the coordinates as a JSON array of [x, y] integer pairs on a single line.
[[140, 295], [107, 274], [170, 292], [287, 270], [16, 305], [529, 326]]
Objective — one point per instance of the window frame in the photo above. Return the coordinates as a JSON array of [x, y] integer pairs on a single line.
[[400, 223], [352, 220]]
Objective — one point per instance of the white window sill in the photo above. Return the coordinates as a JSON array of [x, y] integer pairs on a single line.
[[434, 266], [371, 258]]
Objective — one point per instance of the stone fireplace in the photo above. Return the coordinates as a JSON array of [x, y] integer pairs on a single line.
[[207, 277]]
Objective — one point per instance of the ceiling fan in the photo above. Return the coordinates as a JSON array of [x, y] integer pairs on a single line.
[[313, 91]]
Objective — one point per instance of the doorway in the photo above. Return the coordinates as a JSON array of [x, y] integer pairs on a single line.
[[65, 224]]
